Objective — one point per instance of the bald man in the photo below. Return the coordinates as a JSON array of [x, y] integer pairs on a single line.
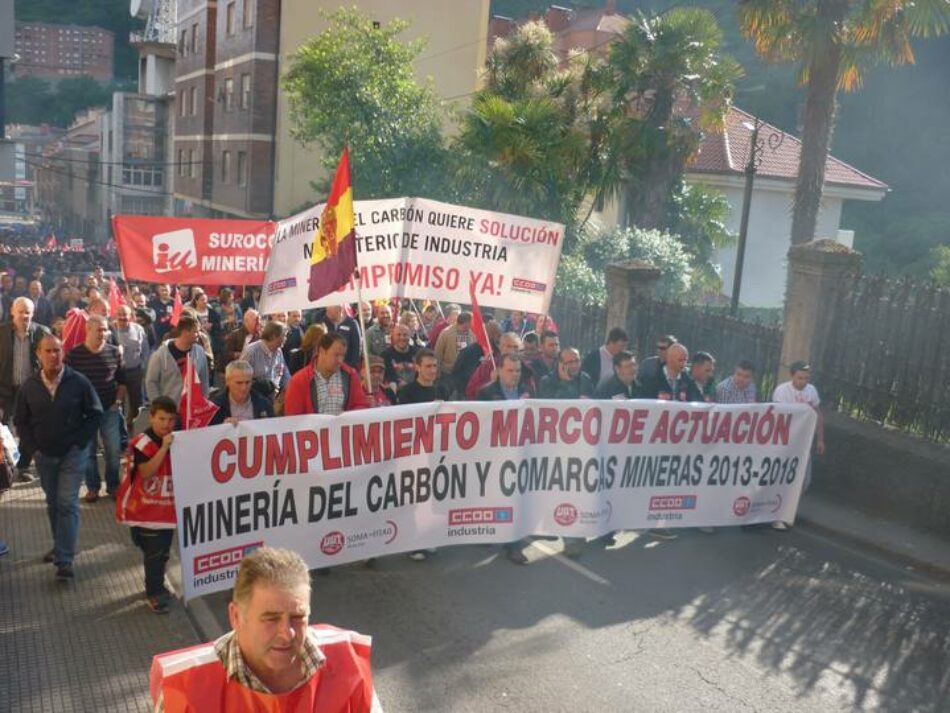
[[671, 382]]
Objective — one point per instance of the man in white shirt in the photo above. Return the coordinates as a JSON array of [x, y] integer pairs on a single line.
[[799, 390]]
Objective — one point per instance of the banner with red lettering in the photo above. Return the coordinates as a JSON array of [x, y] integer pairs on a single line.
[[192, 251], [389, 480], [423, 249]]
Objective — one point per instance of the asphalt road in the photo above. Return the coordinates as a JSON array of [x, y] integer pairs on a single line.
[[735, 621]]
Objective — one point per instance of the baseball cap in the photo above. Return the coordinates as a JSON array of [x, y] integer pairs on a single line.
[[799, 365]]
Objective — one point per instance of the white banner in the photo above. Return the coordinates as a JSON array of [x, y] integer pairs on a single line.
[[382, 481], [423, 249]]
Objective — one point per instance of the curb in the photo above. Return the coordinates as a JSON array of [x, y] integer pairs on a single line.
[[202, 620], [877, 547]]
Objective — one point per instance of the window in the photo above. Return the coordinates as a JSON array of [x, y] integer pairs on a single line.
[[194, 101], [247, 13], [245, 91], [183, 43], [242, 169], [181, 162], [229, 94], [192, 164], [181, 103], [194, 38], [229, 24], [225, 166]]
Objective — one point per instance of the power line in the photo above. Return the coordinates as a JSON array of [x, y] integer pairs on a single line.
[[127, 162], [108, 184]]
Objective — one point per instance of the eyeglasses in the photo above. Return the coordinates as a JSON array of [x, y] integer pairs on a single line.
[[662, 347], [572, 361]]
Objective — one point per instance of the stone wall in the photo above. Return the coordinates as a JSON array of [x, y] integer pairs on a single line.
[[885, 473]]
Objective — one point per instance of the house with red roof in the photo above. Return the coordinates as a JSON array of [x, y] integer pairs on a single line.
[[720, 164]]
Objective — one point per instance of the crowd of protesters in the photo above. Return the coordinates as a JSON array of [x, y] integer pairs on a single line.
[[137, 339]]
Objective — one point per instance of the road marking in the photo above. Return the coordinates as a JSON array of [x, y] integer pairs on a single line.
[[569, 563]]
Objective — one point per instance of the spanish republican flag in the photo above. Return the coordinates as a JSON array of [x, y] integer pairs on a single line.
[[333, 256]]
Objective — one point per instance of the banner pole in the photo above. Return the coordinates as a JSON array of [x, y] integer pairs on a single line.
[[359, 311], [190, 377]]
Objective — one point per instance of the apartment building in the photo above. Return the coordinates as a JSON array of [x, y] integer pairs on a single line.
[[232, 137], [54, 52], [226, 84]]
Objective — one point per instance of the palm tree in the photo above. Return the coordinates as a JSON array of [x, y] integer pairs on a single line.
[[523, 145], [832, 41], [667, 81]]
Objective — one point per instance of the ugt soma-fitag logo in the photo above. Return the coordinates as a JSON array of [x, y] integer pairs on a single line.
[[478, 521], [206, 567], [174, 250], [670, 507], [567, 514], [743, 506], [335, 542]]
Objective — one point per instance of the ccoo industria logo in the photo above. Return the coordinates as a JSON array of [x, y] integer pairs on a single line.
[[230, 557]]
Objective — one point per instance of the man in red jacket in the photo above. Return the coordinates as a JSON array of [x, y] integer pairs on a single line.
[[327, 385]]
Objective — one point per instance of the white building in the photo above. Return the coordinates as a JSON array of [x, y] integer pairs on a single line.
[[721, 163]]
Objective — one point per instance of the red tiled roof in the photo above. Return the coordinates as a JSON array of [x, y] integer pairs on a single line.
[[727, 152]]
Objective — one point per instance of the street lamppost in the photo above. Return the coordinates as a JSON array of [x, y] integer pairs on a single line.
[[756, 147]]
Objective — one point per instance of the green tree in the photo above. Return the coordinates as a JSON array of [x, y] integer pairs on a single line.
[[524, 146], [35, 101], [28, 100], [698, 219], [668, 80], [833, 41], [940, 260], [354, 82], [581, 274]]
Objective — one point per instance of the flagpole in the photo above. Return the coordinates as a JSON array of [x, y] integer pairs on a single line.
[[491, 352]]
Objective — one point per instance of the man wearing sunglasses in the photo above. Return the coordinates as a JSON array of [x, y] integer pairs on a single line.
[[651, 366]]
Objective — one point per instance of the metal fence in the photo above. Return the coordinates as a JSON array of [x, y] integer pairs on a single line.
[[885, 355], [729, 340], [579, 325]]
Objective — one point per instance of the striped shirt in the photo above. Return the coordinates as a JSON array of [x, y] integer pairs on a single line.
[[267, 364], [22, 366], [103, 368]]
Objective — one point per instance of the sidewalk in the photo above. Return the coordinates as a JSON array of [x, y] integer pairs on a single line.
[[914, 549], [83, 646]]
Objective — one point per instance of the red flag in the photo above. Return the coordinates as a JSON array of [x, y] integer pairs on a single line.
[[194, 410], [478, 324], [116, 298], [74, 331], [50, 242], [176, 308], [333, 252]]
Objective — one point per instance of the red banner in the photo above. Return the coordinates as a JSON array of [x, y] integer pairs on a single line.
[[193, 251]]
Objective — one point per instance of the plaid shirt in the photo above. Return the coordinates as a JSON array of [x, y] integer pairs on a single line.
[[229, 653], [330, 396], [728, 393]]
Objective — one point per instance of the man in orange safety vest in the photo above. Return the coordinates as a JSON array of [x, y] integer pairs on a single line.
[[271, 661]]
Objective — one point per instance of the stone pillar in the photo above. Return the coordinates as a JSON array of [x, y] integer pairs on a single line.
[[817, 271], [629, 283]]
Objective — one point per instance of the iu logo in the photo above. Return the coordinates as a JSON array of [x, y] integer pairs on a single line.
[[175, 250]]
